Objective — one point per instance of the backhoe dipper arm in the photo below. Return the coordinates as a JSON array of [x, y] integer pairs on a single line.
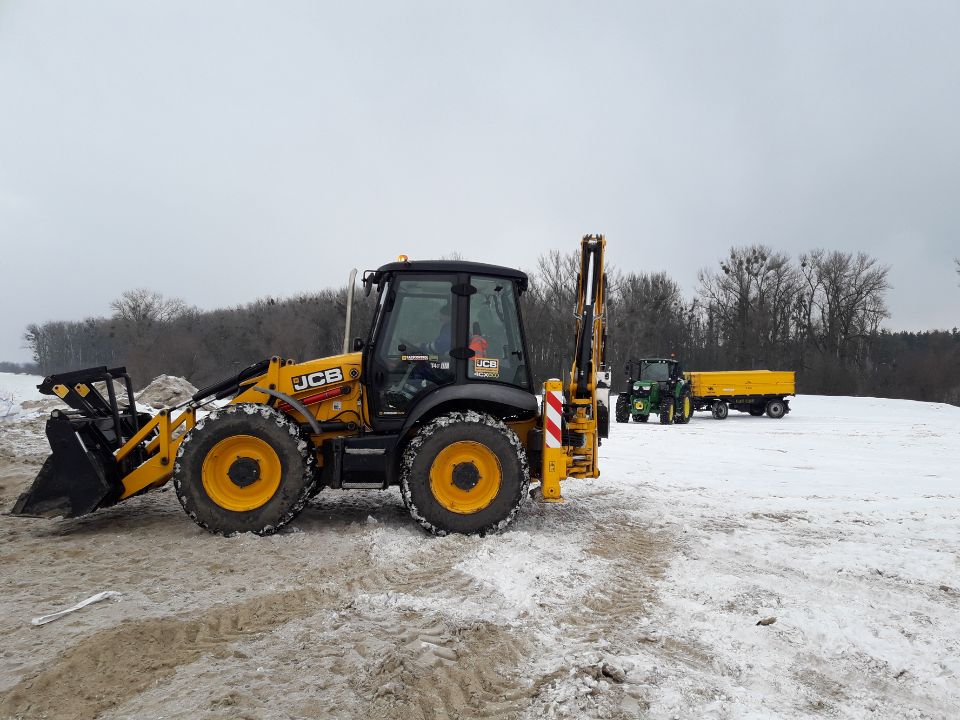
[[572, 427], [591, 318]]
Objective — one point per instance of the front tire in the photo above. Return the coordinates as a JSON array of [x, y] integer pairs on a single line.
[[623, 408], [666, 412], [464, 472], [244, 468]]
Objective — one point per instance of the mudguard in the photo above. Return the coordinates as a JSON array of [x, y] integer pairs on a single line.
[[511, 400]]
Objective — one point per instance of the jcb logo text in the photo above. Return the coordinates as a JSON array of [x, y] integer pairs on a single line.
[[317, 379]]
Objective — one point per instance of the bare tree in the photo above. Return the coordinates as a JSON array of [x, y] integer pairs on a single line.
[[748, 303], [142, 305], [647, 316], [549, 306], [847, 302]]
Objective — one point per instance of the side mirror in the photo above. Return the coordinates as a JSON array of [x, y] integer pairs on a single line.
[[357, 344]]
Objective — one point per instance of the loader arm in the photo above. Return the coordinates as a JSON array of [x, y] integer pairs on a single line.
[[575, 421]]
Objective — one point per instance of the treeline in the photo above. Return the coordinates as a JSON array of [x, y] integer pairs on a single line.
[[153, 335], [31, 368], [819, 314]]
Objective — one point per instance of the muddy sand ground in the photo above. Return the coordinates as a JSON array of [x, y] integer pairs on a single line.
[[356, 613]]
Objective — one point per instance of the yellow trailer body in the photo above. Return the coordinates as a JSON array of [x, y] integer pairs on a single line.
[[758, 392], [739, 383]]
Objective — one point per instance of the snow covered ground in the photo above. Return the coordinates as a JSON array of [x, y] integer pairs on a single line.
[[638, 597], [842, 521], [16, 388]]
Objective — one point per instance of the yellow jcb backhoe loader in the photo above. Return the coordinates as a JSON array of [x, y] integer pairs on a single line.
[[438, 399]]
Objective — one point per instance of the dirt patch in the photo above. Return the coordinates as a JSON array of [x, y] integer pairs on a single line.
[[112, 665]]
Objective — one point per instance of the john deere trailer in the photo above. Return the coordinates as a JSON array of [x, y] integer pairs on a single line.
[[750, 391]]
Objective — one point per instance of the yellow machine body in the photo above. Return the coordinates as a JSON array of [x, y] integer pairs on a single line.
[[326, 402], [312, 384]]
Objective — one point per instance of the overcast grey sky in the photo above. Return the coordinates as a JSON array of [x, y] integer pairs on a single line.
[[223, 151]]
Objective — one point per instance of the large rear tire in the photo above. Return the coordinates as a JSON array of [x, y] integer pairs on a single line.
[[623, 408], [464, 472], [244, 468]]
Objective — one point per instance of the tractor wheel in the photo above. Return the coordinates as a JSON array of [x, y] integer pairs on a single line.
[[666, 413], [684, 409], [464, 472], [757, 410], [776, 409], [720, 410], [623, 408], [244, 468]]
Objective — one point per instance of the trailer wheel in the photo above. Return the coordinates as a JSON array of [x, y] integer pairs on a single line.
[[757, 410], [623, 408], [244, 468], [684, 409], [464, 472], [776, 409], [720, 410]]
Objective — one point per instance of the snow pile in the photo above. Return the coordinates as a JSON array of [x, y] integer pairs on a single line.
[[166, 391]]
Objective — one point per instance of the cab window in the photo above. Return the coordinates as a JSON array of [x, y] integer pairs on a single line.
[[656, 372], [494, 334], [413, 351]]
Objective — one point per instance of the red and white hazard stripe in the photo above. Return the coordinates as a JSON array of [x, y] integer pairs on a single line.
[[552, 421]]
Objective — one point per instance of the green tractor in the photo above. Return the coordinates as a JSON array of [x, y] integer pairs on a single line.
[[655, 386]]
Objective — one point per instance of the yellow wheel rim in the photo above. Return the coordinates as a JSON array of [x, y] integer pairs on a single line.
[[686, 406], [465, 477], [670, 412], [241, 473]]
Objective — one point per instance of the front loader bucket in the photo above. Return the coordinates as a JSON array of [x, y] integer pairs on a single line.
[[72, 481]]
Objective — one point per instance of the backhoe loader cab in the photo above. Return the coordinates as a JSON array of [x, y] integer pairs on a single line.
[[438, 400], [423, 340]]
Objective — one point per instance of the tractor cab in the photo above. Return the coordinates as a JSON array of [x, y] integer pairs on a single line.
[[643, 374], [443, 331]]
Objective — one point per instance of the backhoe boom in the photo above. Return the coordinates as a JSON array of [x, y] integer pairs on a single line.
[[573, 426]]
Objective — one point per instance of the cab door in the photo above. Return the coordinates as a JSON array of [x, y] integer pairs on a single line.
[[415, 332]]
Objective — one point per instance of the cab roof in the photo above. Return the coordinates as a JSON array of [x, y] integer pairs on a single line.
[[447, 267]]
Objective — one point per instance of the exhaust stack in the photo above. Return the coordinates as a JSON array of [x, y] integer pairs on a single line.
[[346, 328]]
